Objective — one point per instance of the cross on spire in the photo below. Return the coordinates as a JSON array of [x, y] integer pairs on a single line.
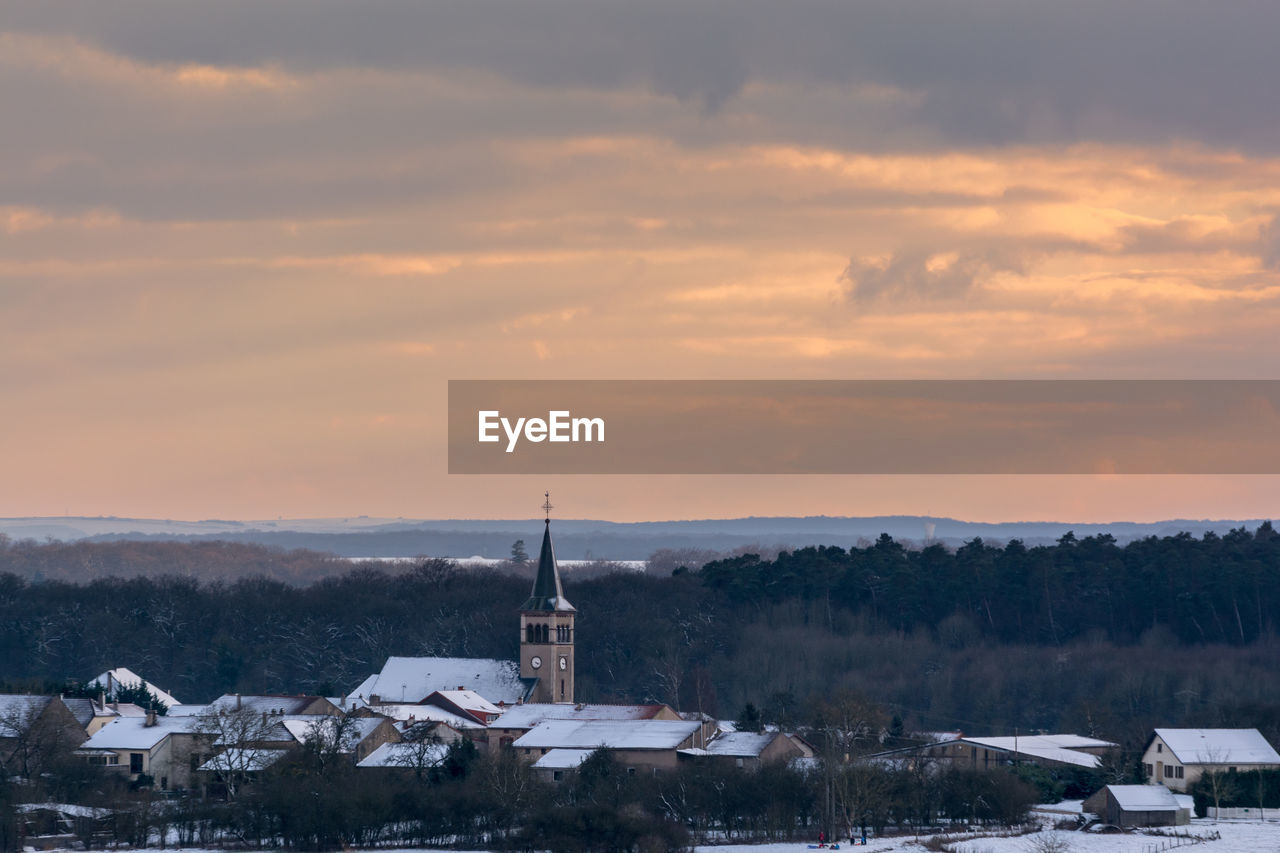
[[546, 505]]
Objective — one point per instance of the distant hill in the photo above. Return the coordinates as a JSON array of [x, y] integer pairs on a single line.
[[579, 539]]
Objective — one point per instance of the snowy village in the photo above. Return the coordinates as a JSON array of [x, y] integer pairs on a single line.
[[476, 753]]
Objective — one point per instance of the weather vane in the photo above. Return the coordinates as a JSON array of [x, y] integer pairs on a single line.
[[546, 505]]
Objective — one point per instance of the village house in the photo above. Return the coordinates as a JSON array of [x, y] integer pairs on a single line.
[[748, 750], [983, 753], [516, 721], [166, 749], [1139, 805], [1176, 758], [33, 729], [647, 744]]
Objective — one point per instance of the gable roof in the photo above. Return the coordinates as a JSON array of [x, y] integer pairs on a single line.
[[84, 710], [530, 714], [563, 759], [413, 714], [741, 744], [238, 759], [405, 755], [1048, 747], [547, 591], [1218, 746], [408, 680], [266, 703], [609, 734], [1144, 798], [128, 678], [134, 733], [19, 710], [355, 731]]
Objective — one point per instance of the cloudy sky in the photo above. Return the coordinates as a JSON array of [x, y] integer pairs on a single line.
[[244, 245]]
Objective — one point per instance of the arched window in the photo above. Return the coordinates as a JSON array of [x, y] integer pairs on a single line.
[[544, 633], [528, 633]]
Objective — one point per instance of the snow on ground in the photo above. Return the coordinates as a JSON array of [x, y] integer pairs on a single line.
[[1237, 837]]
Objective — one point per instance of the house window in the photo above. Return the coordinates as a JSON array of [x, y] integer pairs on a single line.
[[557, 775], [164, 783], [631, 771], [1148, 770], [135, 762], [739, 761], [1159, 747], [1178, 771]]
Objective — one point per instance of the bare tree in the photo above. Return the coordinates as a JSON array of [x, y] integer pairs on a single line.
[[33, 737], [242, 742], [1049, 842]]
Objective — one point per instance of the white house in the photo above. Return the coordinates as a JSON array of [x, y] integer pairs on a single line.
[[1176, 758]]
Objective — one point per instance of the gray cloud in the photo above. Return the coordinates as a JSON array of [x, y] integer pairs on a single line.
[[984, 71], [920, 274]]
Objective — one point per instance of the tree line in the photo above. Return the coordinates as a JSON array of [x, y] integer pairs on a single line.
[[1083, 635]]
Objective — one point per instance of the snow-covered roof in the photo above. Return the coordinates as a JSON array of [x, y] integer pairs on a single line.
[[741, 744], [82, 709], [266, 703], [530, 714], [470, 700], [128, 678], [405, 755], [134, 733], [354, 730], [405, 679], [610, 734], [1047, 747], [562, 759], [186, 710], [18, 711], [419, 713], [238, 759], [70, 809], [1144, 798], [1219, 746]]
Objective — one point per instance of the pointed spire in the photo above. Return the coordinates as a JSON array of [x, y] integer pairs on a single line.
[[547, 592]]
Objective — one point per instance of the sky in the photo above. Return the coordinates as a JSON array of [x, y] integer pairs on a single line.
[[245, 245]]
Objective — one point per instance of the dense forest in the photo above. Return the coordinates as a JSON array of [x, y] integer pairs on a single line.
[[1082, 635]]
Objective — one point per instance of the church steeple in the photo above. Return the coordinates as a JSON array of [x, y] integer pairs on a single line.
[[547, 628], [548, 594]]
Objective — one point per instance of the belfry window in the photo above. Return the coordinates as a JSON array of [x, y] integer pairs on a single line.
[[528, 633]]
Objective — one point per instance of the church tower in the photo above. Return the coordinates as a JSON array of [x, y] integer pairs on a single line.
[[546, 629]]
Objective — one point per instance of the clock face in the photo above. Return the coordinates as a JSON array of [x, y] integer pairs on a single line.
[[564, 663], [535, 662]]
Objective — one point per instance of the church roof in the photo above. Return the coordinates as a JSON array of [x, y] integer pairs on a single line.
[[547, 592], [408, 680]]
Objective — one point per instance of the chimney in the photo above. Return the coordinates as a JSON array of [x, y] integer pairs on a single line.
[[237, 701], [264, 718], [102, 700], [151, 719]]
